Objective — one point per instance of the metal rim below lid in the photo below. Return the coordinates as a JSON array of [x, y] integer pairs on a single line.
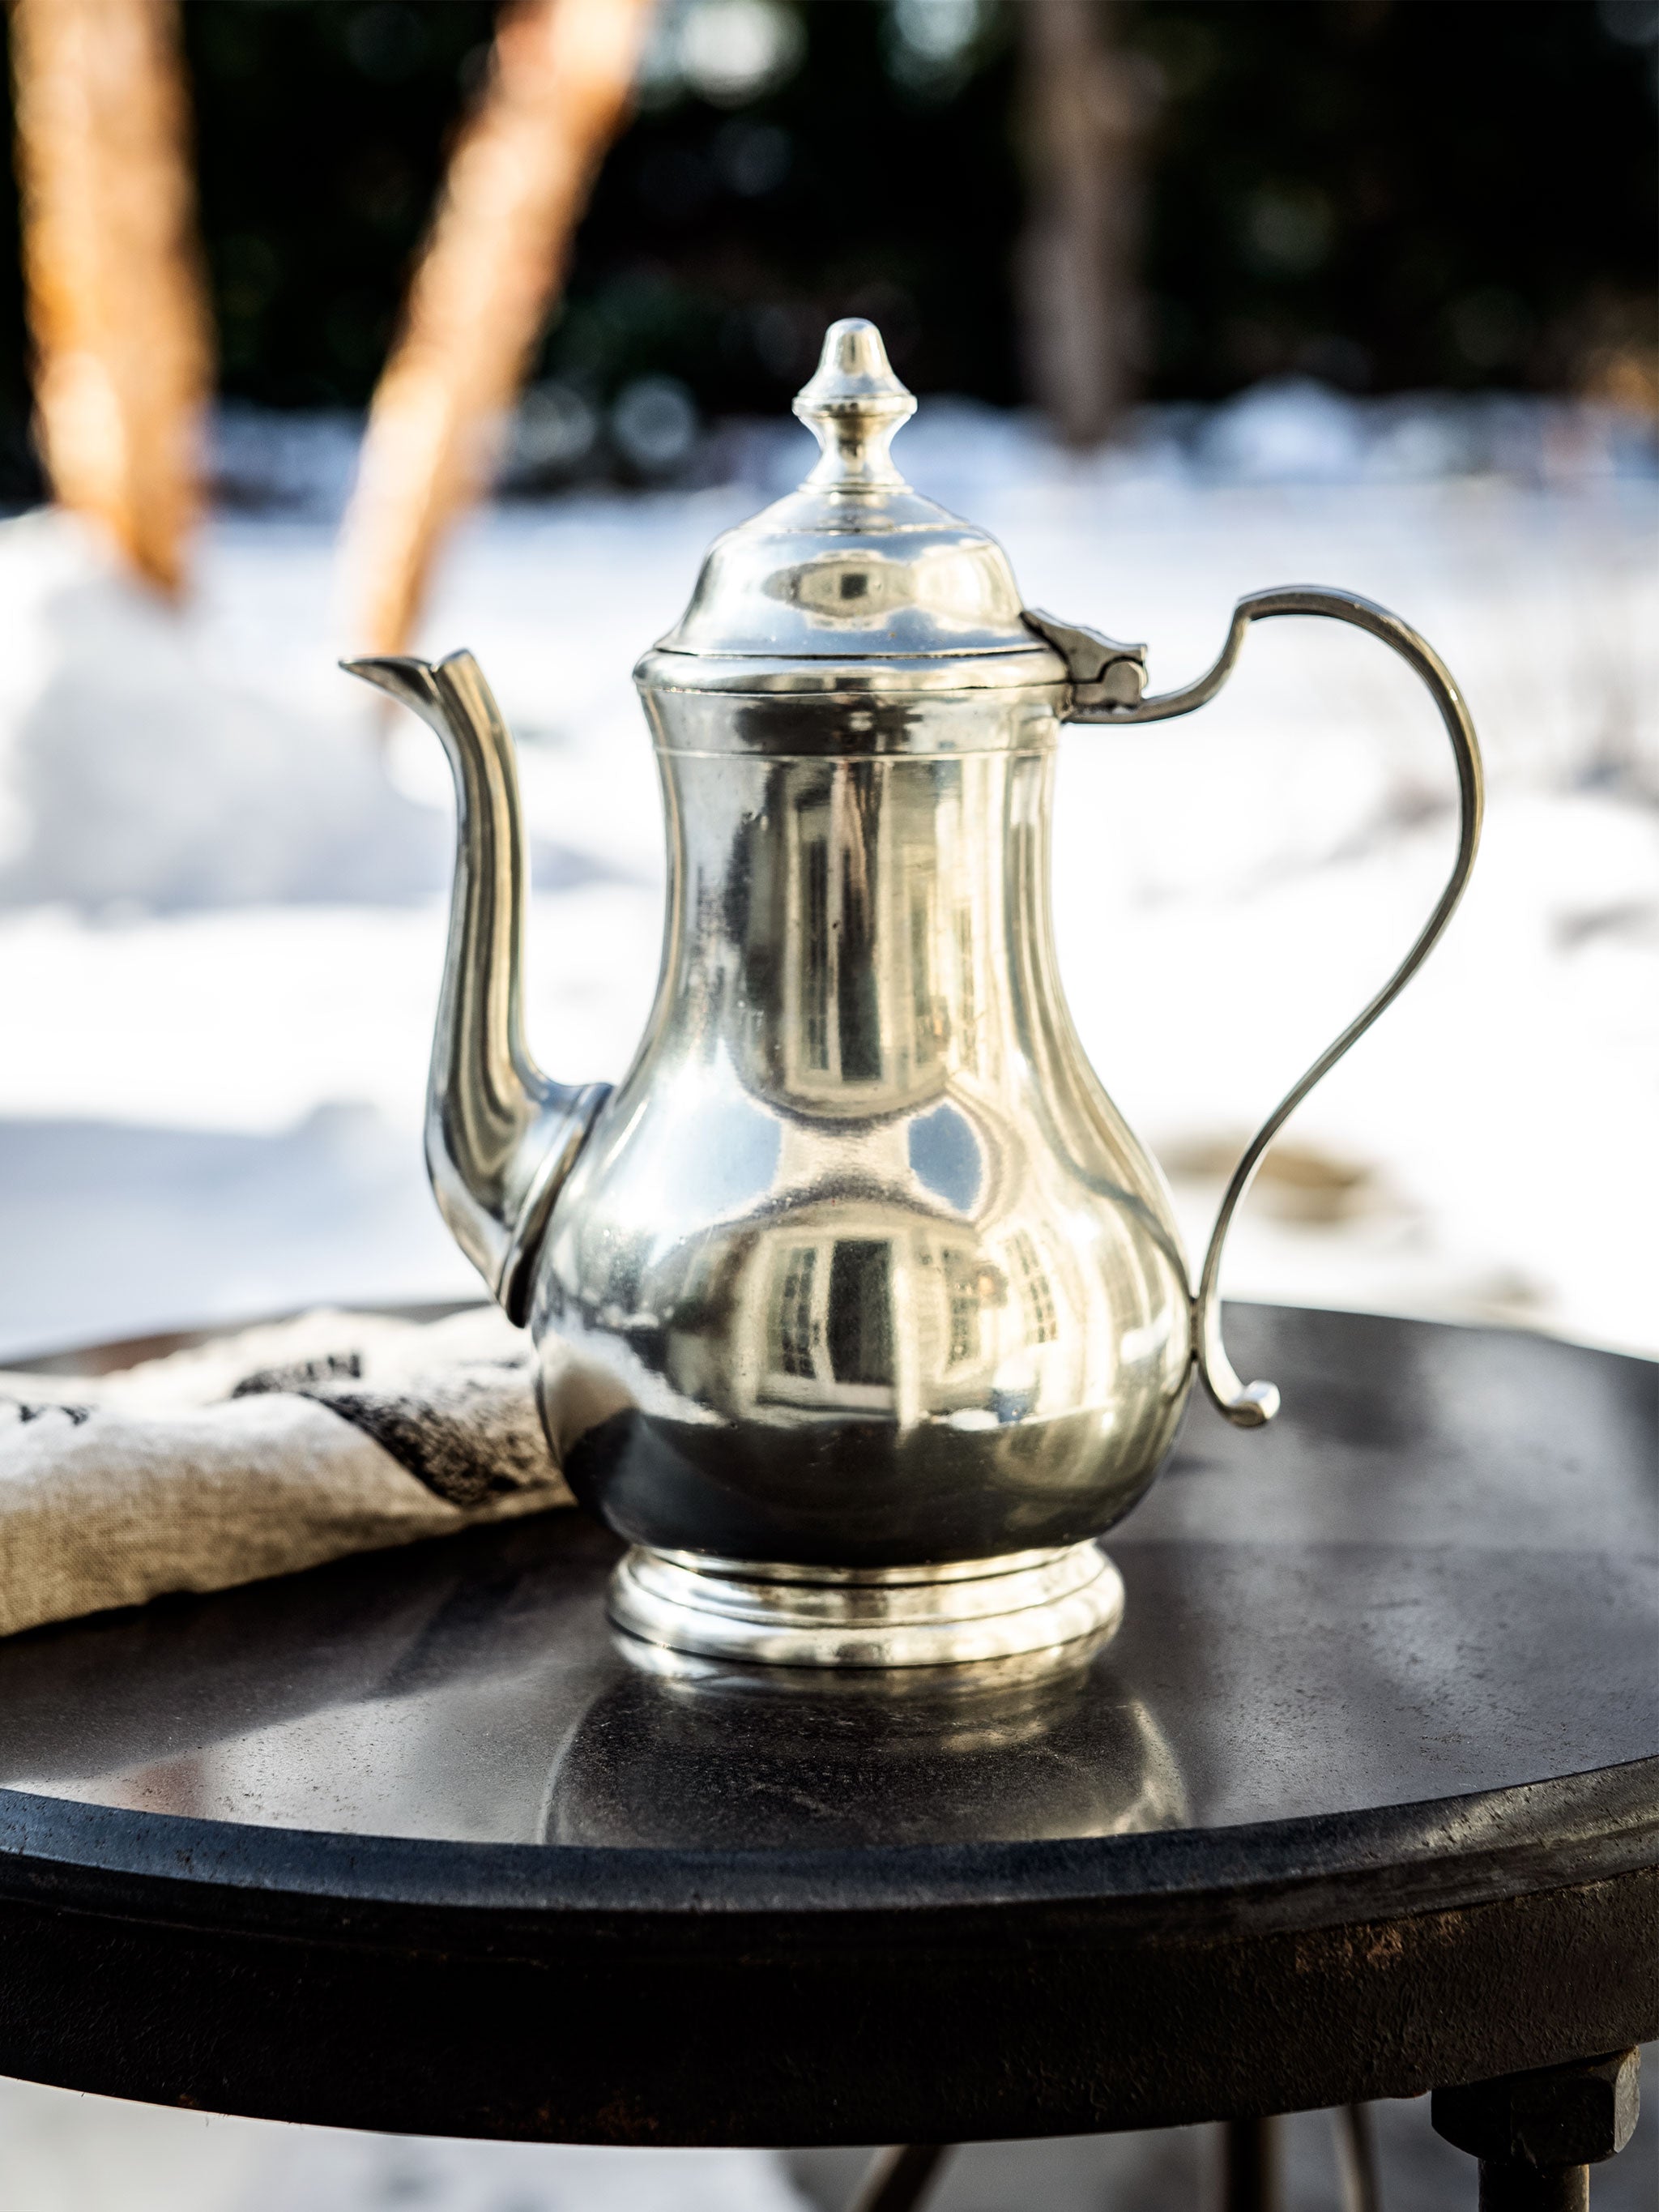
[[1002, 668]]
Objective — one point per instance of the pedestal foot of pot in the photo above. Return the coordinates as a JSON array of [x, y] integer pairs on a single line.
[[932, 1616]]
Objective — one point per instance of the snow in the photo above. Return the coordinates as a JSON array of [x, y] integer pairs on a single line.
[[222, 863], [67, 2153]]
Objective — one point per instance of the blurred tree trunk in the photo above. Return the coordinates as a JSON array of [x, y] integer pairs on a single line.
[[112, 267], [1084, 125], [558, 91]]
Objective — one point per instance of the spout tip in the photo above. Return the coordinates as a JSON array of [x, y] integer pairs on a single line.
[[408, 680]]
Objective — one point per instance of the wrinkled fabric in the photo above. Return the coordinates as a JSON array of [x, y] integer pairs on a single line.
[[259, 1454]]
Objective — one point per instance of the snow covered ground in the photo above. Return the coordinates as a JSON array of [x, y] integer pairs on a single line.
[[221, 885], [220, 918]]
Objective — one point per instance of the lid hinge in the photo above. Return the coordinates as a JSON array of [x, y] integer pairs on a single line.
[[1104, 673]]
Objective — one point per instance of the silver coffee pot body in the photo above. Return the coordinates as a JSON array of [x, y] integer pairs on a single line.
[[884, 1277], [860, 1310]]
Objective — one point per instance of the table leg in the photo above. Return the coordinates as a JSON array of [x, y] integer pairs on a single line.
[[900, 2179], [1356, 2159], [1251, 2165], [1537, 2135]]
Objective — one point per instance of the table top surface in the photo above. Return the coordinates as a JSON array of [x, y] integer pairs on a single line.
[[1363, 1798], [1433, 1581]]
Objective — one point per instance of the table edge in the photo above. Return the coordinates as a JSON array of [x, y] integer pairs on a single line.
[[1440, 1855], [91, 1355]]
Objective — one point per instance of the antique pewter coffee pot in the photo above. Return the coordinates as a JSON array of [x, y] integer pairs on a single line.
[[860, 1310]]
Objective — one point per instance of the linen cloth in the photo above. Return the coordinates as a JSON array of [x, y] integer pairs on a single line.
[[262, 1453]]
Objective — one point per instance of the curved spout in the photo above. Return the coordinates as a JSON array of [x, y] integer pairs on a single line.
[[501, 1136]]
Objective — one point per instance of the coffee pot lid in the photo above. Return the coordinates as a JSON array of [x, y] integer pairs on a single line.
[[854, 581]]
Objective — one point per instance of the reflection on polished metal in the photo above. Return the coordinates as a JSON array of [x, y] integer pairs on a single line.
[[948, 1685], [1043, 1744], [979, 1609], [858, 1270]]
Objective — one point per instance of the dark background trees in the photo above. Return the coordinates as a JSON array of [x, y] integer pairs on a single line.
[[1388, 194]]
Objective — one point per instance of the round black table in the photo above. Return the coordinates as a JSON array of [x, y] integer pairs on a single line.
[[1363, 1801]]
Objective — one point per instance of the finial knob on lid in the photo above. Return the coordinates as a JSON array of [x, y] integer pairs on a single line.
[[853, 405], [853, 575]]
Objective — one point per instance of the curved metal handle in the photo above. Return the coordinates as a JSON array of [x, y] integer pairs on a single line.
[[1250, 1404]]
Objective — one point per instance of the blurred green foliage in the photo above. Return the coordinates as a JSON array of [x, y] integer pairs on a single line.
[[1387, 193]]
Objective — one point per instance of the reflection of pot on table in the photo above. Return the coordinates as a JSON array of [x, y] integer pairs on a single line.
[[688, 1754]]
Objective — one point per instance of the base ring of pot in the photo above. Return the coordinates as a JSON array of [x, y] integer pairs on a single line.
[[781, 1616]]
